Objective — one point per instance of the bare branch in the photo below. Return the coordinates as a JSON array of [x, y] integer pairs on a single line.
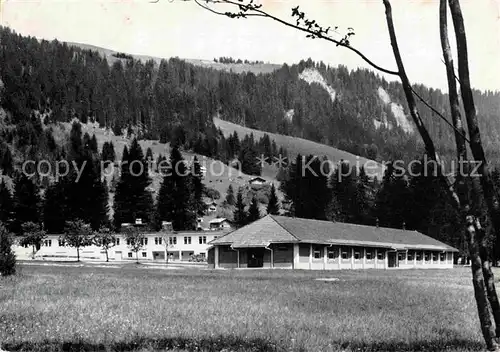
[[313, 29], [460, 133]]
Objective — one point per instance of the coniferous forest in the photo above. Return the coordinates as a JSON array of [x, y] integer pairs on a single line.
[[43, 83]]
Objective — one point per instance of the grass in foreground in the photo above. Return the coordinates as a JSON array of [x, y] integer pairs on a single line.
[[53, 308]]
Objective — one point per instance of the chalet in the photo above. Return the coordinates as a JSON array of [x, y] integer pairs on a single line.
[[220, 224], [294, 243], [211, 207], [258, 181]]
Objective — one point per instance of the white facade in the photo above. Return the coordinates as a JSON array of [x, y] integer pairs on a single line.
[[179, 247], [344, 257]]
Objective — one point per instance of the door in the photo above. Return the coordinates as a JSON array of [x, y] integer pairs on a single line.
[[255, 257], [392, 259]]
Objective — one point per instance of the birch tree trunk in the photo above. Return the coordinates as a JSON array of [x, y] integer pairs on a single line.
[[483, 304], [488, 186]]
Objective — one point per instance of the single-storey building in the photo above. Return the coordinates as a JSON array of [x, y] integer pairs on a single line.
[[294, 243]]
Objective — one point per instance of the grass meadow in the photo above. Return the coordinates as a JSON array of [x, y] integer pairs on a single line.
[[137, 308]]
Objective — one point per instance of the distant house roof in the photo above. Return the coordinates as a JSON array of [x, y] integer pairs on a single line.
[[256, 179], [218, 220], [282, 229]]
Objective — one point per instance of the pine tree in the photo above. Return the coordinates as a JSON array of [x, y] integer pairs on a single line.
[[7, 256], [6, 204], [149, 154], [273, 207], [253, 211], [26, 202], [174, 200], [132, 198], [240, 215], [108, 152], [197, 188], [55, 212], [392, 201], [93, 144], [75, 141], [230, 195], [306, 188], [6, 160]]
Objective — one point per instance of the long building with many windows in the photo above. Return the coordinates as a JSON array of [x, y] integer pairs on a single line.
[[156, 246], [293, 243]]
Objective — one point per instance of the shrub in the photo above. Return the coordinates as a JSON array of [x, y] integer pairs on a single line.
[[7, 256]]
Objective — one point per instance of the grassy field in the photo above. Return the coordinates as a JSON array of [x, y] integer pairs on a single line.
[[130, 308]]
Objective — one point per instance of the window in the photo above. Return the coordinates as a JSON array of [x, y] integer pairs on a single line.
[[333, 253], [401, 256], [380, 254], [418, 255], [357, 254], [172, 240], [116, 241], [144, 241], [369, 254], [202, 239], [61, 243], [345, 253], [129, 242], [130, 254], [435, 256], [411, 255], [144, 255], [427, 256], [317, 253], [442, 256], [158, 240], [47, 243], [187, 240]]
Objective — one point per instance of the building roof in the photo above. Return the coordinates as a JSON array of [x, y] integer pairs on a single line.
[[281, 229], [257, 179]]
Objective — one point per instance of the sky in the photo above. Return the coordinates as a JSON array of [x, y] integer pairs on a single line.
[[178, 28]]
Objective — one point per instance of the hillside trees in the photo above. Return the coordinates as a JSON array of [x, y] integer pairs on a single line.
[[306, 188], [175, 101]]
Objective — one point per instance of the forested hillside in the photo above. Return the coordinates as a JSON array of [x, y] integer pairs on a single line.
[[175, 100]]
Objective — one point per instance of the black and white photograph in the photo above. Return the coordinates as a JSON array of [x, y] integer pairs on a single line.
[[249, 175]]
